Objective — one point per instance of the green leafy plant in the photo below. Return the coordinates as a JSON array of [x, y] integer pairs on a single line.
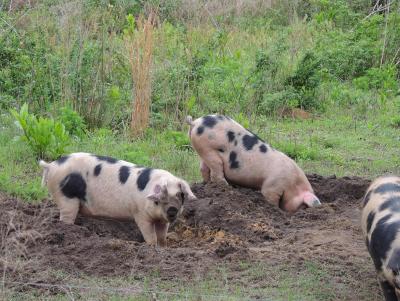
[[181, 140], [47, 138], [73, 122]]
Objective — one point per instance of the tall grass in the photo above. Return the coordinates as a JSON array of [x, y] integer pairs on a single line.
[[139, 44]]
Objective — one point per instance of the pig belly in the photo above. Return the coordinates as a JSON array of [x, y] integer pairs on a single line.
[[106, 206], [244, 178]]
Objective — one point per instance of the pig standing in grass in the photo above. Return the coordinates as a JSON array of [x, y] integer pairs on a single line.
[[230, 152], [107, 187], [380, 223]]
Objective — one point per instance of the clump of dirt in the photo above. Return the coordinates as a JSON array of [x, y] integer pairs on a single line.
[[225, 225]]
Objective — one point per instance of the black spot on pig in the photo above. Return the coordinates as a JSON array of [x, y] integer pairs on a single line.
[[209, 121], [367, 243], [255, 135], [370, 220], [124, 173], [235, 143], [107, 159], [381, 239], [366, 198], [143, 178], [392, 203], [387, 187], [388, 291], [249, 141], [221, 117], [230, 135], [62, 160], [200, 130], [394, 261], [97, 170], [232, 160], [263, 148], [74, 186]]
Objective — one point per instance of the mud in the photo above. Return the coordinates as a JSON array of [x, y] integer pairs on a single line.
[[226, 225]]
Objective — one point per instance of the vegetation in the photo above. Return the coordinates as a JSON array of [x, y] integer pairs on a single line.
[[318, 79]]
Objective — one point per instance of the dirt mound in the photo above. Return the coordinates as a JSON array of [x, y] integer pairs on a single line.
[[225, 224]]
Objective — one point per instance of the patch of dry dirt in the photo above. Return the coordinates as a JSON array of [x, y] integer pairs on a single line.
[[225, 225]]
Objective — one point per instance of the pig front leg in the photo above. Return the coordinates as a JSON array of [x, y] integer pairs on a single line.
[[273, 194], [205, 171], [161, 233], [216, 167], [68, 209], [147, 228]]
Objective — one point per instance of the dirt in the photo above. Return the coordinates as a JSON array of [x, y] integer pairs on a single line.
[[226, 225]]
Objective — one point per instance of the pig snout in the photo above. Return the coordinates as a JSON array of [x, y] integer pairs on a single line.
[[172, 212], [301, 201], [310, 199]]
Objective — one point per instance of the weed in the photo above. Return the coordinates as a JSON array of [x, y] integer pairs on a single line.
[[46, 137]]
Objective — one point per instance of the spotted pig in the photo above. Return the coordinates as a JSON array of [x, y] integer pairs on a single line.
[[229, 152], [380, 221], [107, 187]]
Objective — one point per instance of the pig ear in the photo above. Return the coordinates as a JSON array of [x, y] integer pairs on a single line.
[[159, 192], [189, 196]]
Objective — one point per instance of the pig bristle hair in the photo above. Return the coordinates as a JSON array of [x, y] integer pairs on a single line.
[[189, 120]]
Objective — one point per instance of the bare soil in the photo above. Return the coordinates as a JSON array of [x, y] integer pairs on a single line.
[[226, 225]]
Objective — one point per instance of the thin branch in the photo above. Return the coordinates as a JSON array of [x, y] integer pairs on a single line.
[[378, 9], [385, 32]]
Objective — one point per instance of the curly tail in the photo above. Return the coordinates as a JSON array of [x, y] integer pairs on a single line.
[[46, 168], [189, 121]]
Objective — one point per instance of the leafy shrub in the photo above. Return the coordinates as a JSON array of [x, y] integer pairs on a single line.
[[181, 140], [380, 79], [272, 102], [46, 137], [139, 157], [73, 122], [346, 55], [395, 122], [305, 81]]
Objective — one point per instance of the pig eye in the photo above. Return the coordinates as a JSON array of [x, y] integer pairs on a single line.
[[156, 203], [182, 196]]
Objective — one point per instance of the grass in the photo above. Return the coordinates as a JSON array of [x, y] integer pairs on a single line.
[[336, 143], [247, 281]]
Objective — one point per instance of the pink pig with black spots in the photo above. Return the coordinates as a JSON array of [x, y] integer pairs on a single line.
[[231, 153]]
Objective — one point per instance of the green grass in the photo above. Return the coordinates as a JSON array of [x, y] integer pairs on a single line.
[[336, 143], [247, 281]]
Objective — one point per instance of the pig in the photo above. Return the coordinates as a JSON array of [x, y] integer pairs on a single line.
[[106, 187], [380, 223], [231, 153]]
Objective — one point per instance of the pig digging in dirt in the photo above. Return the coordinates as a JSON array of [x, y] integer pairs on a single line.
[[106, 187], [380, 223], [229, 152]]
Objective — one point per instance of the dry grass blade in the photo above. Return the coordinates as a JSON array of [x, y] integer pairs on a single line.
[[139, 44]]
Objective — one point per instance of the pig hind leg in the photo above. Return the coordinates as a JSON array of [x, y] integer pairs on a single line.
[[216, 167], [69, 209]]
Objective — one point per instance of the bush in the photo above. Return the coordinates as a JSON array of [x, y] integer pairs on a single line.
[[272, 102], [47, 138], [73, 122], [380, 79], [180, 139]]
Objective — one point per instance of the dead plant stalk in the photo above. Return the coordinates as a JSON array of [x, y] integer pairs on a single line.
[[140, 50]]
